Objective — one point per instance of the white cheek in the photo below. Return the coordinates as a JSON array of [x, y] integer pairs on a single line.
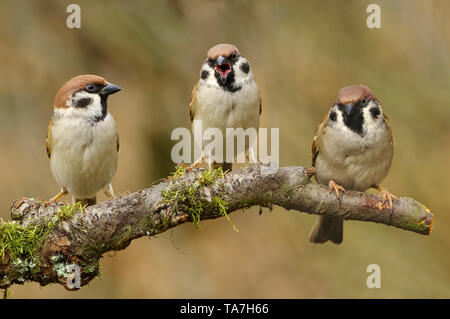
[[339, 122], [369, 121], [240, 76], [211, 79], [92, 110], [83, 95]]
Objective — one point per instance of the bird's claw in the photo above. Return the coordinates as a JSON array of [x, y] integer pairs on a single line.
[[336, 188], [39, 198], [19, 202], [55, 198], [123, 194], [386, 196], [190, 168], [194, 165], [310, 171], [47, 203]]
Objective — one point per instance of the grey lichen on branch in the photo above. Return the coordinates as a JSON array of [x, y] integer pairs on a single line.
[[42, 242]]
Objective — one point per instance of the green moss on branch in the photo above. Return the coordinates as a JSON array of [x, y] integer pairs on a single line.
[[20, 245], [195, 197]]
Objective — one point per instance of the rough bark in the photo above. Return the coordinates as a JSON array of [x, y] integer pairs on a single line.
[[112, 225]]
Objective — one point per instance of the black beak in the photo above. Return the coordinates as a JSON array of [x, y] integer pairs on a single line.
[[110, 89], [348, 108]]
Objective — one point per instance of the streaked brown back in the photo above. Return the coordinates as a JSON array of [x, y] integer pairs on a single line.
[[192, 103], [317, 136]]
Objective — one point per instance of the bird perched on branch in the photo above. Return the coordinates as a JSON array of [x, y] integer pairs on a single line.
[[352, 149], [226, 96], [82, 139]]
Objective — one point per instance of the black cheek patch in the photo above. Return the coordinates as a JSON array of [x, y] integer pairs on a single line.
[[375, 111], [83, 102], [333, 116], [204, 75], [245, 67]]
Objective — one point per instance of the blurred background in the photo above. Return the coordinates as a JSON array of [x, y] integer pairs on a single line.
[[302, 53]]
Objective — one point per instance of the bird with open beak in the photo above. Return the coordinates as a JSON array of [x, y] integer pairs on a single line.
[[226, 96], [82, 139]]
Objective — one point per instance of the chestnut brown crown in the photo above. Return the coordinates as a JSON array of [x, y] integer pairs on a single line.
[[73, 85], [354, 93], [222, 49]]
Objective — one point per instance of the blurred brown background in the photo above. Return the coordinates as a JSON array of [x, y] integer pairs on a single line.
[[302, 53]]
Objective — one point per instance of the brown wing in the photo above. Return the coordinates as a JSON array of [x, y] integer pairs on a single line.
[[48, 139], [388, 125], [317, 136], [192, 102]]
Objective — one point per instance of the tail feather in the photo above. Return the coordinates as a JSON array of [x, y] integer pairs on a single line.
[[86, 201], [327, 228]]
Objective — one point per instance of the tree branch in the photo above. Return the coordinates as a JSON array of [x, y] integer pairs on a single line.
[[81, 236]]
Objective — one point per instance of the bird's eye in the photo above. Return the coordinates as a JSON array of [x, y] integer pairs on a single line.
[[90, 87], [211, 61], [363, 101], [234, 55]]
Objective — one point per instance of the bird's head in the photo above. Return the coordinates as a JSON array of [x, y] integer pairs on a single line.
[[225, 67], [84, 96], [356, 108]]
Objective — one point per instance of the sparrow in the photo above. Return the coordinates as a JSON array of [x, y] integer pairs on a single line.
[[82, 139], [226, 96], [352, 149]]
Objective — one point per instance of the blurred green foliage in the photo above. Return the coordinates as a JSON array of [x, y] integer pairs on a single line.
[[302, 53]]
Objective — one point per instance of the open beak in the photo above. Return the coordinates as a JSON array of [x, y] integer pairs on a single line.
[[348, 108], [110, 88], [223, 68]]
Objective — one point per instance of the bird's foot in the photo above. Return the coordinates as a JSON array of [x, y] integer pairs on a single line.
[[310, 171], [21, 200], [336, 188], [39, 198], [386, 195], [194, 165], [123, 194], [56, 197]]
